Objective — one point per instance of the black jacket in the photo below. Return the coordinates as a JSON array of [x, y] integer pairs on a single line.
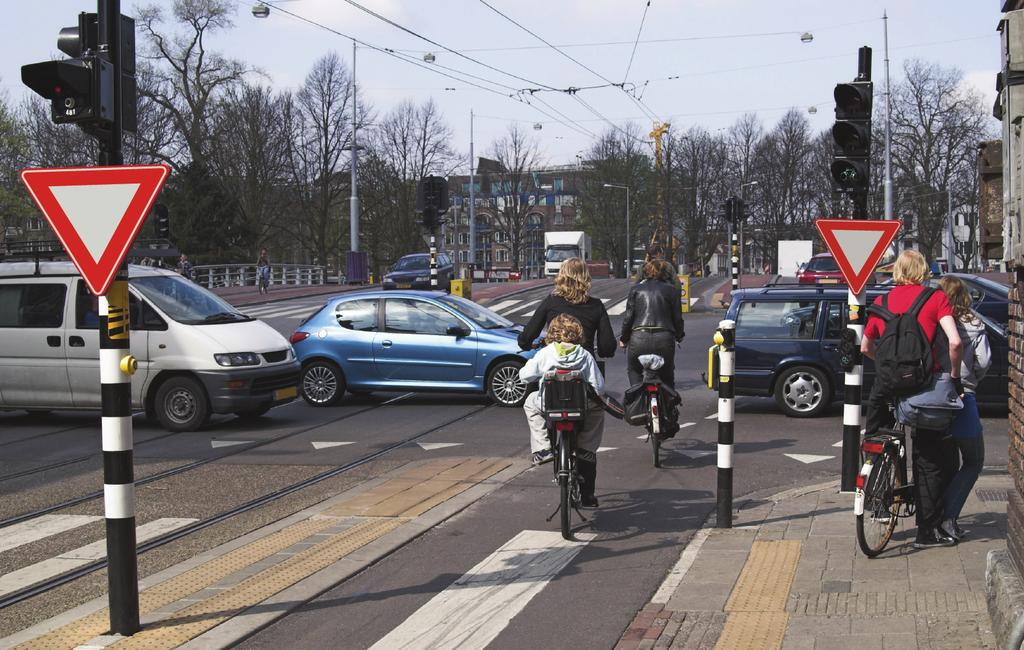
[[653, 305], [591, 314]]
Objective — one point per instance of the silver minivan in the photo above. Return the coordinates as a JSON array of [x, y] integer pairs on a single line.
[[197, 354]]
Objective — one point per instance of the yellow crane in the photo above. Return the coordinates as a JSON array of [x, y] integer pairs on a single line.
[[659, 234]]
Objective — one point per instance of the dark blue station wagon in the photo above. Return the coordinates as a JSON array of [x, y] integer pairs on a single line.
[[787, 346]]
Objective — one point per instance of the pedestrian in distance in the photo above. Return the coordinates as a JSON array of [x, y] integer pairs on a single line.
[[564, 351], [657, 252], [933, 453], [263, 271], [652, 323], [184, 267], [571, 296], [966, 429]]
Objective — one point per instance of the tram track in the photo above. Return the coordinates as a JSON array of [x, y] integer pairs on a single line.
[[52, 583]]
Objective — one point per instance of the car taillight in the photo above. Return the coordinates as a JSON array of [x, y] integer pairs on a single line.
[[297, 336], [872, 447]]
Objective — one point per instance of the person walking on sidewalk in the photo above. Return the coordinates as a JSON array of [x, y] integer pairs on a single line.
[[966, 429], [263, 271], [933, 453], [653, 323], [572, 296]]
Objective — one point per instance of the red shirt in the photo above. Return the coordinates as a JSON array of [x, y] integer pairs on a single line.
[[901, 297]]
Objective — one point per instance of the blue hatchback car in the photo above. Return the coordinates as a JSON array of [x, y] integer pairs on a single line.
[[408, 340], [787, 346]]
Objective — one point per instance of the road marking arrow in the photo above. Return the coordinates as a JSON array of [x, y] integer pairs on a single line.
[[328, 445], [808, 458], [431, 446], [600, 449], [229, 443]]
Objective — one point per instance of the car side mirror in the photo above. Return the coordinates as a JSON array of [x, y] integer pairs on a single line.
[[457, 331]]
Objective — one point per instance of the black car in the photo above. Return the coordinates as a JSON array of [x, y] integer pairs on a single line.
[[787, 346], [413, 272]]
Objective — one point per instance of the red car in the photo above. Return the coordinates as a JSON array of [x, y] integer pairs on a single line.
[[822, 269]]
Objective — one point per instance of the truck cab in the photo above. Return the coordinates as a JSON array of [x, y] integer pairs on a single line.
[[560, 246]]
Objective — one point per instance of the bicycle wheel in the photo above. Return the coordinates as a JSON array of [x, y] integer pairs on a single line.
[[654, 430], [881, 509], [565, 472]]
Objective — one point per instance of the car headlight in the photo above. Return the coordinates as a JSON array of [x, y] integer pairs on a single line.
[[237, 359]]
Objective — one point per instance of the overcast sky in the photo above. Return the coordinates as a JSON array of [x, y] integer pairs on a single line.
[[717, 59]]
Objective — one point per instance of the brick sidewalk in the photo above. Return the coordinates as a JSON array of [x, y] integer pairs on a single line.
[[745, 588]]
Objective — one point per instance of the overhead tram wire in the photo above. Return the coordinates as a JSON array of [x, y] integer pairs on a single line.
[[401, 56], [641, 105], [636, 42]]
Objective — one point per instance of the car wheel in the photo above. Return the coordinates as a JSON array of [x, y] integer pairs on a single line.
[[802, 392], [323, 383], [503, 385], [181, 404], [252, 414]]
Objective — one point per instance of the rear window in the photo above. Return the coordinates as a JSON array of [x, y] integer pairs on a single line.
[[822, 264], [359, 315], [777, 319], [32, 305]]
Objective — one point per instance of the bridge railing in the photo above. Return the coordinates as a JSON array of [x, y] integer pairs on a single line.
[[242, 275]]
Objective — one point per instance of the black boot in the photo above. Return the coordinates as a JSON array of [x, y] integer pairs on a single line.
[[588, 481]]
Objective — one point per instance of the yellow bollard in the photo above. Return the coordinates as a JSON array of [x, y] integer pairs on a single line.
[[684, 293], [462, 288]]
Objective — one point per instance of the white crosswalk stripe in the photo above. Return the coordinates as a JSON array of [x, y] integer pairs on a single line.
[[474, 609], [15, 580], [36, 529], [617, 309], [525, 305], [294, 311], [504, 304]]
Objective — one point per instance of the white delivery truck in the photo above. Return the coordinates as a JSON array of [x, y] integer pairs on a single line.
[[560, 246], [792, 254]]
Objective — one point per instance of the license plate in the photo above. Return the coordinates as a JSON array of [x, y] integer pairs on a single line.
[[403, 285], [828, 281], [286, 393]]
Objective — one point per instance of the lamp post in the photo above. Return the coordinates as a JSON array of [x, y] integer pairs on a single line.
[[629, 252], [472, 200], [743, 197]]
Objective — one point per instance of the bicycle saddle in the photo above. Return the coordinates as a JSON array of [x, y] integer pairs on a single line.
[[651, 361]]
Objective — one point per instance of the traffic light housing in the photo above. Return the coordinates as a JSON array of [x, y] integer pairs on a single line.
[[163, 221], [431, 200], [851, 166], [81, 88]]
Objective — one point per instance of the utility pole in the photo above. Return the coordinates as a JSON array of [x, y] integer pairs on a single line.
[[887, 183], [472, 200], [353, 200]]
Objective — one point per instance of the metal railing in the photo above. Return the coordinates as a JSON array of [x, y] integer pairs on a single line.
[[246, 275]]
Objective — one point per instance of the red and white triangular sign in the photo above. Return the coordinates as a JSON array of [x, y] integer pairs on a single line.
[[857, 245], [96, 212]]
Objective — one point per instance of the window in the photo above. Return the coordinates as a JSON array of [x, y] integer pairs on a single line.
[[358, 315], [35, 223], [777, 320], [32, 305], [502, 255], [557, 185], [837, 314], [408, 316], [464, 256], [558, 216], [823, 264], [463, 238]]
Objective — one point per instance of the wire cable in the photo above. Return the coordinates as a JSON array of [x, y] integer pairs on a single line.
[[636, 42]]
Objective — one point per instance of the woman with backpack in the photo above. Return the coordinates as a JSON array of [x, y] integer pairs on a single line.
[[896, 375], [966, 428]]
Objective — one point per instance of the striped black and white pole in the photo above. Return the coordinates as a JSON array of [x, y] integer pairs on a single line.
[[726, 411], [735, 259], [854, 380], [433, 261], [116, 368]]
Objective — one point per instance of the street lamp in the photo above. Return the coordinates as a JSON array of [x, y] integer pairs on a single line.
[[629, 243], [260, 10], [743, 197]]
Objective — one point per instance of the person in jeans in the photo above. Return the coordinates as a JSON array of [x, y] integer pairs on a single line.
[[653, 322], [263, 268], [565, 352], [966, 429], [933, 457]]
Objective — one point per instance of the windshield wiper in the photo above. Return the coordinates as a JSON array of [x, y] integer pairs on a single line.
[[224, 316]]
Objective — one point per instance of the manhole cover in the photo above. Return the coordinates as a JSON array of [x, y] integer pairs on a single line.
[[991, 494]]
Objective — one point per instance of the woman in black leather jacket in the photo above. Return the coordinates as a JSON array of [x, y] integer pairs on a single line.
[[653, 322]]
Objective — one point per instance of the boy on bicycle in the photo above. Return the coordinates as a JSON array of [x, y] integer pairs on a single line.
[[564, 351], [263, 270]]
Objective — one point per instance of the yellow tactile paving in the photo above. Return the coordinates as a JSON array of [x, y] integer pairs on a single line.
[[757, 605], [182, 585], [190, 622], [408, 478]]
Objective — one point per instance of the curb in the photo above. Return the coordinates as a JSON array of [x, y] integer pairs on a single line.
[[1004, 591]]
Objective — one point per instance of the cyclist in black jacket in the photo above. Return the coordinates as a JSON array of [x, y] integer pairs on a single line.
[[653, 322], [572, 296]]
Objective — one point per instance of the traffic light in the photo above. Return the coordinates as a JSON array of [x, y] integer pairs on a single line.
[[851, 164], [81, 88], [739, 209], [163, 221], [431, 200]]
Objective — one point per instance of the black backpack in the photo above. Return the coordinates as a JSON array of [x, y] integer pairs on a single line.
[[903, 356]]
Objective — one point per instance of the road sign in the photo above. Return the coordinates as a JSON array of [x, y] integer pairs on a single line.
[[96, 212], [857, 246]]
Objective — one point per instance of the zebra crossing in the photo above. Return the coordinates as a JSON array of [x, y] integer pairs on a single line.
[[291, 310], [523, 309]]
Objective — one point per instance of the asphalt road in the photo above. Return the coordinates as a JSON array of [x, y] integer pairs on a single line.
[[645, 515]]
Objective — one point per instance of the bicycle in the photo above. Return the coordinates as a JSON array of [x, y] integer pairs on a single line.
[[565, 404], [883, 493], [653, 407], [263, 279]]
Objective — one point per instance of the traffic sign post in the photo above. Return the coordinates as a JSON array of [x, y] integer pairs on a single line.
[[857, 246]]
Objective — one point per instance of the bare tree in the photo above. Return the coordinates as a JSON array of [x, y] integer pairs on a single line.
[[15, 208], [702, 168], [517, 154], [936, 127]]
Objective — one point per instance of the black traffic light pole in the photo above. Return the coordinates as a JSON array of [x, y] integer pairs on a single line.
[[116, 368]]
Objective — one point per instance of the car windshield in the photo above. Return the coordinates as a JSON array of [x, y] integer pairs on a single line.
[[990, 286], [412, 264], [482, 316], [561, 253], [822, 264], [990, 323], [185, 301]]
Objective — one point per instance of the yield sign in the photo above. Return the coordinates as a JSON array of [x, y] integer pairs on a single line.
[[96, 212], [857, 245]]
